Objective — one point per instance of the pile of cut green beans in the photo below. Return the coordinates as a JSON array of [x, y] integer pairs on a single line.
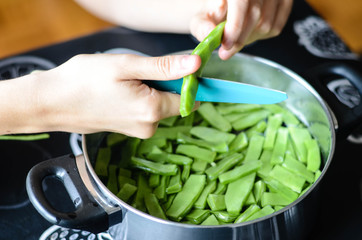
[[224, 163]]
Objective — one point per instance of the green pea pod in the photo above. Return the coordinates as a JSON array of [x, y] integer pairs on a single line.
[[190, 82]]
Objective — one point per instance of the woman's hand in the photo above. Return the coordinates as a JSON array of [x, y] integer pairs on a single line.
[[104, 92], [247, 21]]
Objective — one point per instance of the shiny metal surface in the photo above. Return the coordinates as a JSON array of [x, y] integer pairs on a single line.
[[293, 221]]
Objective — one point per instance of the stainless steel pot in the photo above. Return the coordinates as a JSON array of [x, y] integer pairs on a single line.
[[97, 209]]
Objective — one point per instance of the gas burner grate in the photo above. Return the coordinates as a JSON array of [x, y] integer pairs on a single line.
[[22, 65]]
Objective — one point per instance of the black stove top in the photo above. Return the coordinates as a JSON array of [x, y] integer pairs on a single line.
[[307, 41]]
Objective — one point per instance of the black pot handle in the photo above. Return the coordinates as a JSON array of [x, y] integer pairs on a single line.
[[349, 118], [88, 214]]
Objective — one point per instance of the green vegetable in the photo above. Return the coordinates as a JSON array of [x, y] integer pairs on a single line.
[[126, 192], [153, 207], [202, 200], [197, 216], [255, 148], [223, 165], [252, 209], [32, 137], [274, 122], [214, 146], [153, 167], [263, 212], [190, 83], [280, 146], [237, 193], [287, 178], [211, 220], [313, 155], [240, 171], [212, 134], [216, 202], [274, 199], [185, 199], [209, 113], [224, 216], [112, 184], [196, 152], [193, 173], [102, 161]]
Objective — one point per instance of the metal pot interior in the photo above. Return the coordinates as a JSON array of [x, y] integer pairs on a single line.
[[302, 100]]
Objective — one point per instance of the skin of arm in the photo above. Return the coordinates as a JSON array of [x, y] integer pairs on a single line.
[[154, 15], [246, 20], [94, 93]]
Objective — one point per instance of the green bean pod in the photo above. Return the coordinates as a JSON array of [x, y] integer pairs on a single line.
[[190, 82]]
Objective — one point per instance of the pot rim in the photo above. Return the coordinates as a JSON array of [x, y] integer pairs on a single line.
[[114, 200]]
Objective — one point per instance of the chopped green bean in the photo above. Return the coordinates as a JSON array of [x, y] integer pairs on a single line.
[[298, 168], [280, 146], [199, 166], [313, 155], [212, 134], [154, 167], [197, 216], [299, 136], [224, 216], [211, 221], [237, 193], [102, 161], [258, 190], [288, 179], [171, 132], [250, 119], [154, 180], [276, 186], [126, 192], [196, 152], [247, 213], [274, 199], [175, 184], [214, 146], [274, 122], [115, 138], [185, 199], [153, 206], [255, 148], [263, 212], [122, 180], [209, 113], [239, 172], [160, 190], [112, 184], [239, 143], [216, 202], [237, 108], [223, 165], [202, 200]]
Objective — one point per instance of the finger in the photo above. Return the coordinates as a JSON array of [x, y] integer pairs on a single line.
[[236, 16], [158, 68], [267, 17], [282, 14], [204, 22]]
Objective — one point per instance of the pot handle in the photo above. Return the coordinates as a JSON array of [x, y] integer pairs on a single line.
[[349, 118], [88, 214]]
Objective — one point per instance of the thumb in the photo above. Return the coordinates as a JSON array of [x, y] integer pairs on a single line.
[[160, 68]]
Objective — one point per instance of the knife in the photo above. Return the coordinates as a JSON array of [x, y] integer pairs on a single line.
[[217, 90]]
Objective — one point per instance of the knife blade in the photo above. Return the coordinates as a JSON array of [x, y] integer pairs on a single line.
[[218, 90]]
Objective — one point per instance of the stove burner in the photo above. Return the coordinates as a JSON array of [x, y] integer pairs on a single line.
[[22, 65]]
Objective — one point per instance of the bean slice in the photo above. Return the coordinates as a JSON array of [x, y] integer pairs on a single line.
[[185, 199]]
